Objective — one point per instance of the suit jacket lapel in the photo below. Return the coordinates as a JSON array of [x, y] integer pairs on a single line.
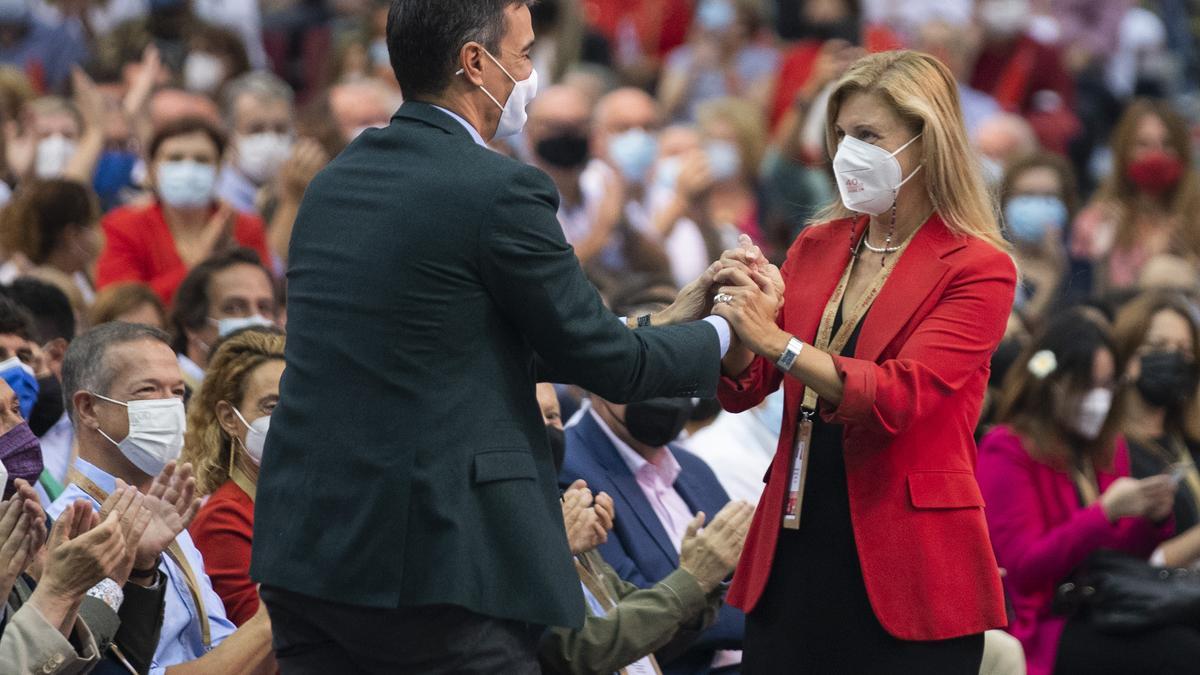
[[915, 276], [626, 484]]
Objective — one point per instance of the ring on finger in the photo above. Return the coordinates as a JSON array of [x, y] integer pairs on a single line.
[[723, 298]]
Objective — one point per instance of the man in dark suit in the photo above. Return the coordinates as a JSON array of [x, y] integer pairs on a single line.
[[407, 516], [655, 488]]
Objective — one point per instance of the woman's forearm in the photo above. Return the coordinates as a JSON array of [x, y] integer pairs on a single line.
[[1183, 549]]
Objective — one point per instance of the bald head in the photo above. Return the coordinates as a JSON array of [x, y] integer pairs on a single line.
[[361, 103], [558, 110], [169, 105], [1005, 138], [624, 109]]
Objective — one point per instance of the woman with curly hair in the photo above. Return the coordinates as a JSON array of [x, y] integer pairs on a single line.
[[227, 425]]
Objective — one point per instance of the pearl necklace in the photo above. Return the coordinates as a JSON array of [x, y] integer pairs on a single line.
[[881, 249]]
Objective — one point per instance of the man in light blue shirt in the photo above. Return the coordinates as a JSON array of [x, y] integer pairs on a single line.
[[124, 393]]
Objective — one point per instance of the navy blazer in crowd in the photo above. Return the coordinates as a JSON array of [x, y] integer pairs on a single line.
[[639, 548]]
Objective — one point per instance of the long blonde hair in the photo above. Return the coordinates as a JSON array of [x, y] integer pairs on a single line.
[[924, 93], [206, 444]]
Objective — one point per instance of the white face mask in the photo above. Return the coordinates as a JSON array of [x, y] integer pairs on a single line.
[[512, 115], [261, 155], [868, 176], [156, 428], [52, 155], [186, 184], [1092, 413], [233, 324], [256, 436], [203, 72]]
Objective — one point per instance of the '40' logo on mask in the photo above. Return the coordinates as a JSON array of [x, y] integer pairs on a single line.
[[853, 185]]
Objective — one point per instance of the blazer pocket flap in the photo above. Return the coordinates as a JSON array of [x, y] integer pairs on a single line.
[[504, 465], [944, 490]]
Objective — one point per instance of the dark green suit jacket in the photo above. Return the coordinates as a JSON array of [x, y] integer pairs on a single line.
[[407, 462]]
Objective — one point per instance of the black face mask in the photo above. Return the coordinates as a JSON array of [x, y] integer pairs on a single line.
[[558, 446], [1167, 380], [658, 421], [1002, 359], [565, 151], [48, 408]]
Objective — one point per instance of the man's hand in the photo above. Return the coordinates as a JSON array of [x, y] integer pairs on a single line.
[[306, 160], [585, 525], [752, 303], [693, 303], [129, 506], [22, 534], [749, 258], [81, 553], [711, 553], [172, 502]]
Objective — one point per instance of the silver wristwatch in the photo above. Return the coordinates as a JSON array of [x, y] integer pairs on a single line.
[[789, 355]]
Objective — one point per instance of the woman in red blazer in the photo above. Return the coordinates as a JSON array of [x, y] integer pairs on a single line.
[[157, 244], [227, 424], [890, 569]]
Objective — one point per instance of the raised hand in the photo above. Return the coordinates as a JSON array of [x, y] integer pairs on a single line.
[[585, 526], [172, 503], [81, 553], [711, 553], [750, 302], [129, 506]]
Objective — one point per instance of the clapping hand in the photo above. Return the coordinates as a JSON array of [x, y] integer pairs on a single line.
[[711, 553], [82, 551], [22, 533], [172, 503], [129, 506], [587, 519]]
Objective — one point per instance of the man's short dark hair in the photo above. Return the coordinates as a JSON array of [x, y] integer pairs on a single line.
[[190, 311], [14, 319], [53, 317], [86, 367], [424, 38]]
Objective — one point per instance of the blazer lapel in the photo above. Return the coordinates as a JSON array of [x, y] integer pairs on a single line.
[[830, 246], [626, 484], [915, 276]]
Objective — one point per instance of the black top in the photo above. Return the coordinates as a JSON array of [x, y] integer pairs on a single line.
[[429, 288], [1149, 459], [814, 616]]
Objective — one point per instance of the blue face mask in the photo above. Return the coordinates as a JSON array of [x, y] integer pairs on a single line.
[[716, 15], [23, 382], [723, 160], [633, 153], [1028, 217], [667, 173], [186, 184]]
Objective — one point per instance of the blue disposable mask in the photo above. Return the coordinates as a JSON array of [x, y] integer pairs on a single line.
[[666, 176], [23, 382], [1029, 217], [724, 160], [633, 153], [716, 15], [186, 184]]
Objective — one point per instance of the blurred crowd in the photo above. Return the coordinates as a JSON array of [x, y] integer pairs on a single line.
[[155, 154]]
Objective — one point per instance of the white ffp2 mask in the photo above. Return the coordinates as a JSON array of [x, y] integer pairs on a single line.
[[868, 176], [156, 428], [1092, 413], [512, 115], [256, 436]]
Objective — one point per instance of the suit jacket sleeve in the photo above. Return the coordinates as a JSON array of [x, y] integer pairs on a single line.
[[535, 279], [643, 622], [141, 622], [31, 645], [949, 346]]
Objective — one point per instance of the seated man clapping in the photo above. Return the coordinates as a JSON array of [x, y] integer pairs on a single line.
[[627, 626]]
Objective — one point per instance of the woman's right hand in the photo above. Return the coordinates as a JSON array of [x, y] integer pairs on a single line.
[[1151, 498]]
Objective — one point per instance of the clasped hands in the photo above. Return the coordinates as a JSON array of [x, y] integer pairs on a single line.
[[743, 288]]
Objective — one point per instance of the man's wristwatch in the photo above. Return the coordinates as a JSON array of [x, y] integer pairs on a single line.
[[789, 355]]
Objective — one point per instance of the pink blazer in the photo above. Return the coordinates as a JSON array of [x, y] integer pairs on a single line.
[[1041, 533]]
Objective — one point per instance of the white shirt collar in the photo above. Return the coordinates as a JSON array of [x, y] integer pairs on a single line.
[[466, 125]]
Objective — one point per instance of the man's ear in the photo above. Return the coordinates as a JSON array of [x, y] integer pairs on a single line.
[[470, 62], [85, 410]]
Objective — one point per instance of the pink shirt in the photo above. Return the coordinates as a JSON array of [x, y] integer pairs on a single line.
[[656, 478]]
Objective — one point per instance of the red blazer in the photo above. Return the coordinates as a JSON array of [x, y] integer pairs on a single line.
[[222, 531], [138, 246], [912, 397]]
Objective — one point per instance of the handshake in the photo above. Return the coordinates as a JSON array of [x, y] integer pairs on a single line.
[[744, 289]]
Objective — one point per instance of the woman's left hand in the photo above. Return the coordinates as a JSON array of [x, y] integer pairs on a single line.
[[753, 303]]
